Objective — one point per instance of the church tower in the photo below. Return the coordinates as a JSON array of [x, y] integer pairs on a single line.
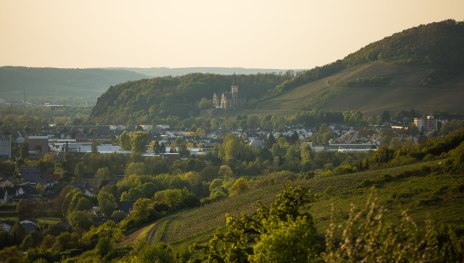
[[234, 88], [216, 102]]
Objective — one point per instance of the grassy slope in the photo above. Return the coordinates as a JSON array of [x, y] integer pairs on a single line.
[[434, 196], [405, 91]]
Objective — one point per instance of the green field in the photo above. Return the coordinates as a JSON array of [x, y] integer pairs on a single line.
[[437, 196]]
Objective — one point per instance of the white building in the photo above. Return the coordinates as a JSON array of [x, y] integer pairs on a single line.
[[428, 124]]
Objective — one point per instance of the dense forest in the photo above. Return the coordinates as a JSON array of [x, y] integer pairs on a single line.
[[148, 100]]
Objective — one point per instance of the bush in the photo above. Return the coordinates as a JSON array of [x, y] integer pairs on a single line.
[[366, 238]]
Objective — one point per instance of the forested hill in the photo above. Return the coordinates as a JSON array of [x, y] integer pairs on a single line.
[[438, 45], [146, 101], [421, 68], [55, 82]]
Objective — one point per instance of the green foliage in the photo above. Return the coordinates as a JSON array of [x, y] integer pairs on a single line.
[[426, 44], [80, 219], [457, 158], [125, 141], [143, 210], [205, 104], [139, 140], [172, 97], [248, 238], [11, 254], [106, 202], [157, 252], [176, 198], [366, 238], [231, 147], [291, 241], [368, 82]]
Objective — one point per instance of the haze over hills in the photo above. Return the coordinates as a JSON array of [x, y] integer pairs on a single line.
[[162, 71], [78, 85], [63, 85], [421, 68]]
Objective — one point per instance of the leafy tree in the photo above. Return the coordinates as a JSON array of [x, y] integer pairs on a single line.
[[32, 240], [143, 210], [138, 141], [457, 158], [291, 241], [240, 185], [79, 170], [64, 241], [205, 104], [11, 254], [17, 233], [102, 173], [249, 237], [270, 141], [125, 141], [157, 252], [306, 157], [94, 146], [106, 202], [231, 147], [24, 152], [135, 168], [80, 219]]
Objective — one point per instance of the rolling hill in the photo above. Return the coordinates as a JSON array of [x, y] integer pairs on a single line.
[[420, 68], [435, 195], [374, 87], [54, 83], [73, 86]]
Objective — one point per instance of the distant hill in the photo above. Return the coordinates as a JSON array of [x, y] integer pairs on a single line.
[[54, 83], [420, 68], [162, 72], [86, 85], [147, 100]]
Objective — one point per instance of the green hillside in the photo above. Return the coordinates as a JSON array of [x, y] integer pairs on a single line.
[[178, 97], [376, 86], [420, 68], [430, 194], [57, 83]]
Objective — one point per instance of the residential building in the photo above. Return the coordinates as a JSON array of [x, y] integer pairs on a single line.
[[5, 147], [38, 145], [428, 124]]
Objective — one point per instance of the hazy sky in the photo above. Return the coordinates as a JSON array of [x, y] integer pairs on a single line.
[[207, 33]]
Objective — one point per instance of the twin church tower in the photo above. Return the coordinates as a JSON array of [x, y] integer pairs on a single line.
[[229, 100]]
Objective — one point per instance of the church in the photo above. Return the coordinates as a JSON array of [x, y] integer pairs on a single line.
[[229, 100]]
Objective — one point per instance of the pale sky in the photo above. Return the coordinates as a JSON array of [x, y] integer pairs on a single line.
[[203, 33]]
